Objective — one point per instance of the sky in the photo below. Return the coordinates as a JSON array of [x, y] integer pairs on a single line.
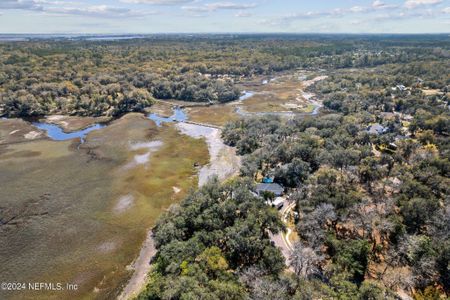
[[216, 16]]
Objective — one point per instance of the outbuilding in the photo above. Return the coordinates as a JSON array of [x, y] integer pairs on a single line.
[[278, 202]]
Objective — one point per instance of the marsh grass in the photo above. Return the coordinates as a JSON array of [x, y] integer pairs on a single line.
[[62, 199], [276, 95], [218, 114]]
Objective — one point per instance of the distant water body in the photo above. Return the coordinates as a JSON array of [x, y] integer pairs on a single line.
[[29, 37], [56, 133], [178, 116]]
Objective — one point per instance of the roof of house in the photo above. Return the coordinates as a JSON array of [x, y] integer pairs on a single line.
[[269, 187], [267, 180], [376, 129]]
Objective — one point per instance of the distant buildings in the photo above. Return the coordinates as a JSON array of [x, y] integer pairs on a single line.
[[400, 87]]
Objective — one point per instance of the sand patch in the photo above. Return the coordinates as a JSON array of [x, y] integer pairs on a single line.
[[32, 135], [107, 247], [73, 123], [224, 162], [432, 92], [143, 158], [308, 83], [55, 117], [141, 267], [153, 145], [123, 204]]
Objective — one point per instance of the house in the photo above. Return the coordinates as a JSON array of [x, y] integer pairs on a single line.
[[376, 129], [401, 87], [274, 188]]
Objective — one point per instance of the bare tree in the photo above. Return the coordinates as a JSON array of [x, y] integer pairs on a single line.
[[312, 226], [304, 260], [261, 286]]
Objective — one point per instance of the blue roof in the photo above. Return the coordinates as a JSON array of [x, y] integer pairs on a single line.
[[267, 180]]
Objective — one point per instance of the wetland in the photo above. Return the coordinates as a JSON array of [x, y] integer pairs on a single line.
[[80, 214], [84, 189]]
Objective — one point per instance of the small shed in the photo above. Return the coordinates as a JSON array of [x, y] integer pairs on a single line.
[[274, 188], [277, 203]]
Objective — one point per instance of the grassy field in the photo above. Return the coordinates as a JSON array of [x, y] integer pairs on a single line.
[[80, 216]]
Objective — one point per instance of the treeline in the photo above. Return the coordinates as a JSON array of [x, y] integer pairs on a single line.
[[111, 78], [108, 94]]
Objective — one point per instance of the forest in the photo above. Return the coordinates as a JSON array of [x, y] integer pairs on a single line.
[[369, 177], [110, 78]]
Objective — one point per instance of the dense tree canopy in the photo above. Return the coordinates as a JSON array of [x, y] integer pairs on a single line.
[[81, 77], [208, 239]]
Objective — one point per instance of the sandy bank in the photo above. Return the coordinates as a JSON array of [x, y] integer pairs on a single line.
[[73, 123], [141, 267], [224, 162]]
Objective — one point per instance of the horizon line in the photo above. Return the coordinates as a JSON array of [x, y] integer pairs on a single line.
[[237, 32]]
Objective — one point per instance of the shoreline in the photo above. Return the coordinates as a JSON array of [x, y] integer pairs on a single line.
[[141, 266], [224, 163]]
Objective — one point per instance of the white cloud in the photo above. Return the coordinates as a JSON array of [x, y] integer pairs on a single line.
[[71, 8], [381, 5], [340, 12], [379, 10], [219, 6], [415, 3], [446, 10], [358, 9], [356, 22], [20, 4], [230, 5], [103, 11], [242, 14], [157, 2]]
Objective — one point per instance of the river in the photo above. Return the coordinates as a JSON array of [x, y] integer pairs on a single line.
[[56, 133]]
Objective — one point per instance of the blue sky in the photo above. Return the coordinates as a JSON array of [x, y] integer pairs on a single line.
[[161, 16]]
